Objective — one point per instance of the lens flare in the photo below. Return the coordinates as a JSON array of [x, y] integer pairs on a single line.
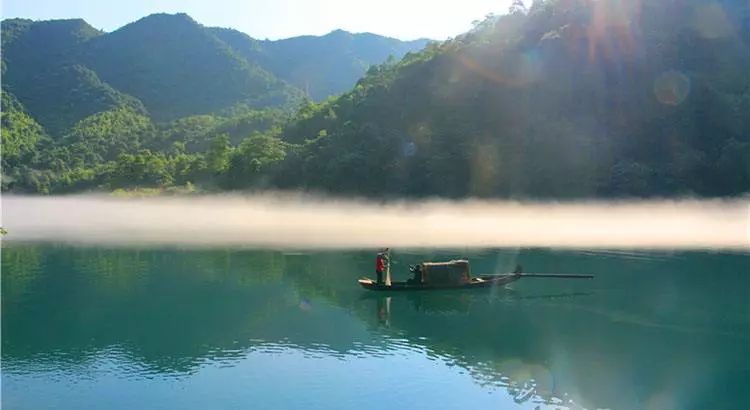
[[672, 88], [612, 29]]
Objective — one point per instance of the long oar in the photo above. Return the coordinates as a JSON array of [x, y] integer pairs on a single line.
[[546, 275], [557, 275]]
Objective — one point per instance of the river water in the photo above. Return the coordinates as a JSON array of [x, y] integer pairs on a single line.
[[167, 328]]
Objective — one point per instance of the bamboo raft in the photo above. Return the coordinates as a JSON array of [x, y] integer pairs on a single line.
[[455, 275]]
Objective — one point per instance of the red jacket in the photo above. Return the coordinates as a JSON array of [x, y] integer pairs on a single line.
[[379, 265]]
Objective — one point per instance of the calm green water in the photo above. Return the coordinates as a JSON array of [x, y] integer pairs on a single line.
[[96, 328]]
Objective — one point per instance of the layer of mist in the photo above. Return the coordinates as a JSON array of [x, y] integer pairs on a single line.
[[298, 221]]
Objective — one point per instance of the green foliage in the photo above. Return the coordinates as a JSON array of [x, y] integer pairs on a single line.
[[105, 136], [196, 132], [254, 157], [217, 157], [20, 133], [143, 168], [121, 148]]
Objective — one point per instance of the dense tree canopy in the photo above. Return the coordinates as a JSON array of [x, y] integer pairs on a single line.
[[573, 98], [20, 133]]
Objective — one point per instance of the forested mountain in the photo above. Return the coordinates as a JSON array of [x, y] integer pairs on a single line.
[[572, 98], [41, 69], [178, 68], [568, 99], [320, 65], [75, 99], [169, 66]]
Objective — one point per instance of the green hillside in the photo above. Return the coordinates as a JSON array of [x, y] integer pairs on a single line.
[[41, 69], [569, 99], [178, 68]]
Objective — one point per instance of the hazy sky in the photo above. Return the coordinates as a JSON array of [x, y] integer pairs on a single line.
[[404, 19]]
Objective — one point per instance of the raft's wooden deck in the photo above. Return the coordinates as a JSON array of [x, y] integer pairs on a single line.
[[476, 282]]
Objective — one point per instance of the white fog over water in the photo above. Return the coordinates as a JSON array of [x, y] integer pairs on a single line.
[[299, 221]]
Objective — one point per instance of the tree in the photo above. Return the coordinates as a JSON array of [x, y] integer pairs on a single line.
[[252, 158], [517, 6], [218, 154], [143, 168]]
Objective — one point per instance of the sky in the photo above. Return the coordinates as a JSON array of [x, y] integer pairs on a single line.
[[274, 19]]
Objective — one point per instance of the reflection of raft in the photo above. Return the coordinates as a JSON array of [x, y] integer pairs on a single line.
[[446, 275], [457, 275]]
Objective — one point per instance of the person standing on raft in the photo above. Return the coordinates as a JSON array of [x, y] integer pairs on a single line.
[[381, 262]]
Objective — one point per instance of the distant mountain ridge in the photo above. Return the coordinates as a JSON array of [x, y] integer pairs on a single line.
[[178, 68], [320, 65], [169, 66]]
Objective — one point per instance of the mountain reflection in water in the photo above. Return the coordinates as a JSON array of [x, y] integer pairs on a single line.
[[653, 330]]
